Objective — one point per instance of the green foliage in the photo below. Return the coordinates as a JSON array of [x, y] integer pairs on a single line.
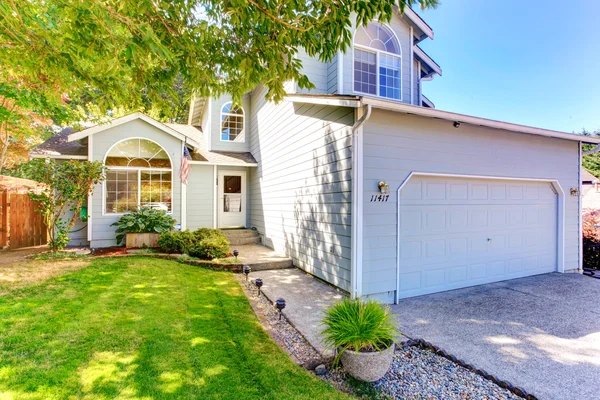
[[210, 248], [59, 59], [67, 186], [176, 241], [591, 162], [359, 325], [144, 220], [204, 243]]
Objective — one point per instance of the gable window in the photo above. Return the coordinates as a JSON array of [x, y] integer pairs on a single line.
[[139, 173], [377, 62], [232, 123]]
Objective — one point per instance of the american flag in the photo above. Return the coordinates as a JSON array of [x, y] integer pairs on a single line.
[[185, 165]]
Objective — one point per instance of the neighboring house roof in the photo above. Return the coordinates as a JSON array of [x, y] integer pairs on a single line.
[[58, 146], [119, 121], [390, 105], [19, 185], [428, 61], [587, 176]]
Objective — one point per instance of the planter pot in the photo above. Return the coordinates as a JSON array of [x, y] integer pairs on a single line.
[[368, 367], [136, 240]]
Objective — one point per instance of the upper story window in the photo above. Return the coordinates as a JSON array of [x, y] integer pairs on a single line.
[[377, 61], [139, 173], [232, 123]]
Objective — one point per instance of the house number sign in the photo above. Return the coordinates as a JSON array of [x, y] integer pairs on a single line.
[[379, 198]]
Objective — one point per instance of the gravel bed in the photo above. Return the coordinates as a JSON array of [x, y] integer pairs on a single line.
[[418, 373], [284, 334]]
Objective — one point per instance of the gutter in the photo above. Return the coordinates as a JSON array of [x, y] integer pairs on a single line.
[[357, 200], [592, 151]]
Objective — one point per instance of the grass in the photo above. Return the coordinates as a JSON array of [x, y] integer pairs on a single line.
[[61, 255], [228, 260], [139, 328]]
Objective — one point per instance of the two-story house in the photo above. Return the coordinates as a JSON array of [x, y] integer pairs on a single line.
[[361, 181]]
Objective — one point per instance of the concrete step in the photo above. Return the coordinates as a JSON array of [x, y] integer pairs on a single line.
[[238, 237], [269, 265], [262, 258], [239, 232], [239, 241]]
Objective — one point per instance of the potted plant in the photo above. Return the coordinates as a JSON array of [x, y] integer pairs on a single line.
[[143, 227], [363, 333]]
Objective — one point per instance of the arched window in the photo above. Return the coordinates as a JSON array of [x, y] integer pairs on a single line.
[[139, 174], [377, 61], [232, 123]]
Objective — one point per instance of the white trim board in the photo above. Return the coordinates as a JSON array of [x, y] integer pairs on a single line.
[[128, 118], [560, 226], [427, 60], [59, 157], [391, 105]]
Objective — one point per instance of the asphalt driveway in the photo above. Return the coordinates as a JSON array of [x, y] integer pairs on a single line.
[[540, 333]]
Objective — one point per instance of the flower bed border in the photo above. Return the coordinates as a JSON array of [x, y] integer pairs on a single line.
[[503, 384], [217, 266]]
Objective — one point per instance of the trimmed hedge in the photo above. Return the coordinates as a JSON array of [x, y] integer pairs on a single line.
[[204, 243]]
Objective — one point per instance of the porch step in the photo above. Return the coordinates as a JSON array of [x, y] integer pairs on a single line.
[[262, 258], [239, 237]]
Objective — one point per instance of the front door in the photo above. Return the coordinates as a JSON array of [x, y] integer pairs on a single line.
[[232, 199]]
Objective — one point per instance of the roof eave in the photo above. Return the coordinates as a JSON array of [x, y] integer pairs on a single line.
[[416, 20], [424, 57], [477, 121], [119, 121]]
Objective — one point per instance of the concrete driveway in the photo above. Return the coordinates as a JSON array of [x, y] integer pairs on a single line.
[[540, 333]]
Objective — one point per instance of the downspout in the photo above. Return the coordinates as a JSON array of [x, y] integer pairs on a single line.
[[357, 201], [427, 78]]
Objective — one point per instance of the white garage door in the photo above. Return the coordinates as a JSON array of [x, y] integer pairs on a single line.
[[458, 232]]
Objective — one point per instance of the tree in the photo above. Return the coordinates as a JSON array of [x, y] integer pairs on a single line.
[[67, 186], [128, 53], [591, 162]]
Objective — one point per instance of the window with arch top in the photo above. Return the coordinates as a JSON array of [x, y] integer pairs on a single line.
[[139, 173], [232, 123], [377, 61]]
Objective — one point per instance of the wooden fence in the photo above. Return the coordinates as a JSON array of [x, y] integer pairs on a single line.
[[20, 224]]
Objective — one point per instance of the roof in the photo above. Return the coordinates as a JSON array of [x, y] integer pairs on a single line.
[[587, 176], [427, 102], [138, 115], [419, 23], [12, 184], [424, 57], [391, 105], [58, 146], [202, 156]]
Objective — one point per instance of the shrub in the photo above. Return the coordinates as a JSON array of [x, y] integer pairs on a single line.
[[144, 220], [204, 243], [209, 248], [176, 241], [359, 325], [591, 240]]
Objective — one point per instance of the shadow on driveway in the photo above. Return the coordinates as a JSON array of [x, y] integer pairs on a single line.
[[540, 333]]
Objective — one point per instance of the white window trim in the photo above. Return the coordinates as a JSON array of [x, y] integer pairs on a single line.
[[377, 52], [139, 169], [233, 115]]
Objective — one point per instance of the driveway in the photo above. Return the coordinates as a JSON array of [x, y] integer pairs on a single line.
[[540, 333]]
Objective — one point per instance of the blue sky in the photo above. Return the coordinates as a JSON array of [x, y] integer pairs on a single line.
[[537, 64]]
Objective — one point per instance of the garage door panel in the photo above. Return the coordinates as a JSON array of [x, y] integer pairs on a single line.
[[457, 232]]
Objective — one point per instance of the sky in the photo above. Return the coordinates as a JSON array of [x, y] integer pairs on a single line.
[[536, 64]]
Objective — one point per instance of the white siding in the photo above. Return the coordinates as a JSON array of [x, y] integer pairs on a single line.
[[316, 71], [396, 144], [300, 195], [215, 126], [332, 72], [200, 197], [103, 234]]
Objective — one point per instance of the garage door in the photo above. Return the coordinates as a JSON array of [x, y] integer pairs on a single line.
[[459, 232]]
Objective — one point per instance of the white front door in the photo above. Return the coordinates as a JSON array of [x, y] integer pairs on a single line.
[[232, 199]]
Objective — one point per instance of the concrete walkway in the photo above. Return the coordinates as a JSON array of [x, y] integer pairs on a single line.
[[540, 333], [306, 298], [261, 258]]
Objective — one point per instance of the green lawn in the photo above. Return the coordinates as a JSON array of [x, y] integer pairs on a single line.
[[140, 328]]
